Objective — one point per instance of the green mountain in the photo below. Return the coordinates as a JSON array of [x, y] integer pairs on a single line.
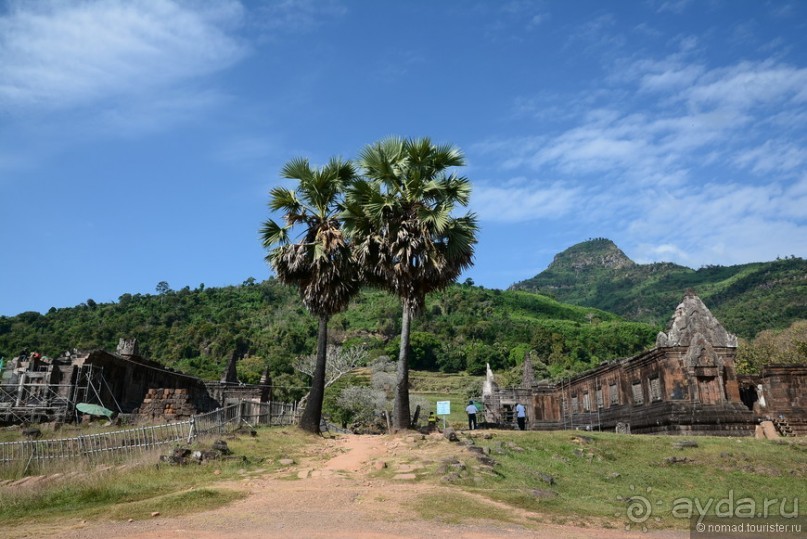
[[747, 298], [460, 329]]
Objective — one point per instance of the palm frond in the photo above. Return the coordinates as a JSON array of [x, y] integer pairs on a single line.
[[273, 234], [435, 218], [284, 199], [297, 168]]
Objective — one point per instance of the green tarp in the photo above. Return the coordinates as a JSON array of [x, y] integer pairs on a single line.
[[93, 409]]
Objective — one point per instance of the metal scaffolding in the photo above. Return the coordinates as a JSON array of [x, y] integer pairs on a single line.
[[32, 398]]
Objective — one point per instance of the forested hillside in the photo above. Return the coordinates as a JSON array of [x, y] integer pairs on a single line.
[[747, 298], [461, 329]]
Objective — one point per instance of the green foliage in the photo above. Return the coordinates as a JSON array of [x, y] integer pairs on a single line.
[[250, 369], [424, 350], [196, 331], [746, 298], [786, 347]]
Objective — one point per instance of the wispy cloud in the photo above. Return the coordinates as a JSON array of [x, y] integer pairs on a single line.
[[58, 55], [291, 16], [681, 160], [727, 223], [673, 6], [526, 15], [518, 200]]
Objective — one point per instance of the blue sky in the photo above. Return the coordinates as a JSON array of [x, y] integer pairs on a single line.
[[139, 139]]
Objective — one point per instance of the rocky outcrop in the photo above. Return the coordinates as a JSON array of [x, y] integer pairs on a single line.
[[693, 324], [596, 253]]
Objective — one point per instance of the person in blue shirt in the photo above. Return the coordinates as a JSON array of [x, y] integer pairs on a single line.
[[521, 416]]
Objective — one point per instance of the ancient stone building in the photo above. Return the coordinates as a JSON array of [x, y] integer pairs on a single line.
[[687, 384], [38, 389], [779, 394]]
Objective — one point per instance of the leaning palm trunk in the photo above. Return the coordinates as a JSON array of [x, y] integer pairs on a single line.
[[312, 415], [320, 265], [401, 420]]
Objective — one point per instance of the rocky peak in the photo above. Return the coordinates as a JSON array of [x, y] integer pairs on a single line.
[[693, 322], [592, 254]]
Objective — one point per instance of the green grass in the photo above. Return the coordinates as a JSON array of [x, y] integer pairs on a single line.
[[135, 490], [597, 479], [455, 509], [594, 481]]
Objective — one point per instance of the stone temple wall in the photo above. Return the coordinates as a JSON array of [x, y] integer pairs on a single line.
[[687, 384]]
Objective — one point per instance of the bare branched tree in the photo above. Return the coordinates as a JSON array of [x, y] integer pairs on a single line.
[[341, 360]]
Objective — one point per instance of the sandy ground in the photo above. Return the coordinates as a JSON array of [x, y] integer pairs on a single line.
[[335, 493]]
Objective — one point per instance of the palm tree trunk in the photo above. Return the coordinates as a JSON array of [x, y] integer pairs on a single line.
[[402, 416], [313, 408]]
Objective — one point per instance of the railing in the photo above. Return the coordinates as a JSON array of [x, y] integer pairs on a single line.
[[122, 443]]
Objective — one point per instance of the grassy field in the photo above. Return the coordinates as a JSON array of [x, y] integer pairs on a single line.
[[569, 477], [135, 489], [602, 476]]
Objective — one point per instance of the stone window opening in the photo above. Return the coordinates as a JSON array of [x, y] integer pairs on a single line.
[[586, 402], [638, 394], [613, 393], [600, 402], [575, 406], [655, 389]]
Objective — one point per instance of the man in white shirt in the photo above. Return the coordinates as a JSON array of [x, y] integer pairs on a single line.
[[471, 410], [521, 416]]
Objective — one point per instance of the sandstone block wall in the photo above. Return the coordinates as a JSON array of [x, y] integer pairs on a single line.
[[167, 405]]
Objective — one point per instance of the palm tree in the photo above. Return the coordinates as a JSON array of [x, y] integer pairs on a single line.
[[399, 216], [319, 263]]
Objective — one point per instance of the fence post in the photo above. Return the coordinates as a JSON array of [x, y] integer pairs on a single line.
[[81, 449], [192, 430]]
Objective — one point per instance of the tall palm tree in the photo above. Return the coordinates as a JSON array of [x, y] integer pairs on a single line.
[[319, 262], [399, 216]]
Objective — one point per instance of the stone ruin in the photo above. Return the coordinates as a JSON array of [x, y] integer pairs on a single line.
[[38, 389], [687, 384]]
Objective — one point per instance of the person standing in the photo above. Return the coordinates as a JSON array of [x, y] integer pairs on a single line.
[[471, 410], [521, 416], [432, 422]]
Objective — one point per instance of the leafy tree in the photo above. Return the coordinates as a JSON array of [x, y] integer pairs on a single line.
[[250, 369], [423, 350], [406, 239], [319, 262], [162, 288], [786, 347]]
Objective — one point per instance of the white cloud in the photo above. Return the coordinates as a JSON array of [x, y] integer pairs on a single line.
[[672, 77], [664, 139], [519, 200], [730, 223], [748, 84], [59, 55], [292, 16], [773, 156], [680, 161]]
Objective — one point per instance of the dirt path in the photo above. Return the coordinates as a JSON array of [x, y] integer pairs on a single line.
[[337, 494]]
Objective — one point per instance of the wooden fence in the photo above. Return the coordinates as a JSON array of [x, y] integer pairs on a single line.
[[123, 443]]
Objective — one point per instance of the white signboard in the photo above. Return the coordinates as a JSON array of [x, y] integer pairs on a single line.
[[443, 407]]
